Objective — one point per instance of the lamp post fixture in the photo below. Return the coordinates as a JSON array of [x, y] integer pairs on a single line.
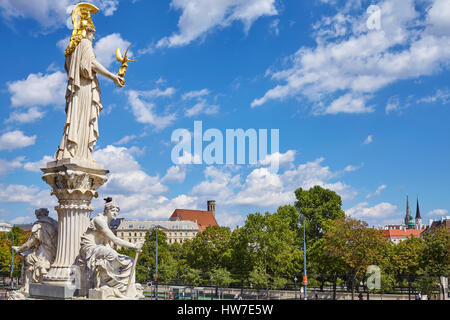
[[295, 291], [156, 271], [305, 277], [12, 260], [156, 274]]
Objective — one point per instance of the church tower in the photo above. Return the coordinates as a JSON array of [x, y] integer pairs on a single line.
[[408, 213], [418, 217]]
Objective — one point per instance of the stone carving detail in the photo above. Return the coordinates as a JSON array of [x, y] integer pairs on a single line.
[[107, 274], [39, 250], [74, 186]]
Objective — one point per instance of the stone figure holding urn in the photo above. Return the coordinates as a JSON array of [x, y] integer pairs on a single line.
[[110, 274]]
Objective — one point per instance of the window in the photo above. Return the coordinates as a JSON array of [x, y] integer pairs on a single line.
[[129, 234], [130, 226]]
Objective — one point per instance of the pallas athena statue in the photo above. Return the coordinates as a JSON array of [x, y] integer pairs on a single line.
[[83, 103]]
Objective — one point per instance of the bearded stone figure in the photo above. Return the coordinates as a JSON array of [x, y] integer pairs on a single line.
[[39, 250], [83, 103]]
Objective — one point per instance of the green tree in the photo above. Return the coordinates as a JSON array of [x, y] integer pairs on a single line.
[[356, 245], [259, 279], [210, 249], [20, 237], [146, 265], [220, 277], [266, 241], [324, 266], [436, 255], [320, 206], [192, 277]]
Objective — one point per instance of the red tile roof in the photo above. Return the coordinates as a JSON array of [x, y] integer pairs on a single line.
[[402, 233], [203, 218]]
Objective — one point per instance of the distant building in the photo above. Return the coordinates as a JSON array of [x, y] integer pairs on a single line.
[[5, 227], [176, 231], [434, 225], [204, 219], [399, 235], [410, 228]]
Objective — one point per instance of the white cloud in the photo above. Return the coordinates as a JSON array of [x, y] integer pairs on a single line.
[[8, 166], [438, 17], [351, 168], [175, 174], [15, 193], [36, 166], [441, 96], [38, 90], [350, 62], [31, 115], [125, 140], [195, 94], [126, 176], [368, 140], [48, 13], [377, 192], [199, 17], [202, 107], [15, 140], [347, 103], [105, 48], [437, 212], [144, 112], [283, 159], [379, 211]]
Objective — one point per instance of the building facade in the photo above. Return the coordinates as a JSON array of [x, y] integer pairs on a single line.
[[5, 227], [176, 231], [203, 218]]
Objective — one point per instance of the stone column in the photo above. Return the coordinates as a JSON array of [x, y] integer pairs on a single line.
[[74, 183]]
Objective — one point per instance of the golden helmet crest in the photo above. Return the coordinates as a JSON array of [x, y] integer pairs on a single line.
[[81, 20]]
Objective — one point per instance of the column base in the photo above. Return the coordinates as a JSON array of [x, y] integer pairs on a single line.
[[53, 292]]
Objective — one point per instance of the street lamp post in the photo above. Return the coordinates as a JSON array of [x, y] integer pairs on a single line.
[[12, 260], [156, 274], [305, 277], [295, 291]]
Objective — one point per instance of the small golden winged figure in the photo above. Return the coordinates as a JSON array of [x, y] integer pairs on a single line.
[[124, 61]]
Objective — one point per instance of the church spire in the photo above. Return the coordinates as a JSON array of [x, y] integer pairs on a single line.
[[418, 217], [418, 210], [408, 212]]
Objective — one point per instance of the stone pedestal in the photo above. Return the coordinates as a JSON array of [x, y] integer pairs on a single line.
[[74, 183]]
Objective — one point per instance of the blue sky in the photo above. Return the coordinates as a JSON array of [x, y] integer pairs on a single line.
[[360, 110]]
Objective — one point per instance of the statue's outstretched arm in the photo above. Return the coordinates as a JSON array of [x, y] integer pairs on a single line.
[[100, 69], [103, 227], [30, 243]]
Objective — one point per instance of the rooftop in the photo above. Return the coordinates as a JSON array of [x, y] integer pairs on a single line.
[[202, 218]]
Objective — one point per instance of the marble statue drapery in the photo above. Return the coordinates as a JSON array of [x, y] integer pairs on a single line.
[[83, 105], [104, 268]]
